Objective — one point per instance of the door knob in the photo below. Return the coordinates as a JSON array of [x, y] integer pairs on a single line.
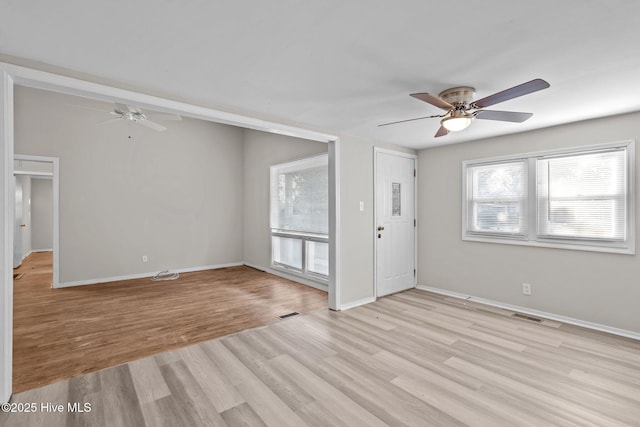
[[380, 228], [23, 225]]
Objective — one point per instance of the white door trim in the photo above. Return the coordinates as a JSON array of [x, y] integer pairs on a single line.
[[6, 234], [377, 150], [56, 207], [17, 75], [334, 225]]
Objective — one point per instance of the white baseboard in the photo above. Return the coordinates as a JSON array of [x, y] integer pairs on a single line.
[[143, 275], [537, 313], [291, 277], [257, 267], [357, 303], [24, 256], [42, 250]]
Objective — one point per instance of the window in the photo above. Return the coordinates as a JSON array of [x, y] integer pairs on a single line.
[[497, 198], [583, 196], [574, 199], [300, 217]]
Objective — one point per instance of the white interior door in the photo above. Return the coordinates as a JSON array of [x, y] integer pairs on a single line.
[[395, 227], [17, 234]]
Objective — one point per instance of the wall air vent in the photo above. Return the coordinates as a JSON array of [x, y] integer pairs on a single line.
[[524, 316], [284, 316]]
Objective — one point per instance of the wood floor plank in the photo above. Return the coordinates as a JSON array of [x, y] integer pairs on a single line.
[[62, 333], [167, 412], [242, 416], [120, 402], [148, 380], [413, 358], [85, 389], [325, 394], [409, 324], [467, 413], [401, 408], [188, 393], [218, 389], [346, 350], [554, 409], [42, 416], [620, 388], [316, 414], [543, 377], [289, 392], [334, 329], [262, 399]]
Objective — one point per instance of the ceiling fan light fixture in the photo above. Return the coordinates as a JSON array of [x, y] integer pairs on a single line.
[[461, 109], [456, 122]]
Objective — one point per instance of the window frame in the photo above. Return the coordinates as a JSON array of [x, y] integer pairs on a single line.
[[530, 222], [303, 236], [525, 203]]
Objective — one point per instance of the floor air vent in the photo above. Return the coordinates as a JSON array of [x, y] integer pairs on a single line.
[[524, 316], [284, 316]]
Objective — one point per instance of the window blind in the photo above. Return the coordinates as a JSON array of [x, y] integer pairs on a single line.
[[583, 196], [300, 196]]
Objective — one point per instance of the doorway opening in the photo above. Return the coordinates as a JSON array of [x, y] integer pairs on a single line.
[[36, 222]]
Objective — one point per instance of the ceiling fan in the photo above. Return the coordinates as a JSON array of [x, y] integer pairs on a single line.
[[135, 114], [461, 109]]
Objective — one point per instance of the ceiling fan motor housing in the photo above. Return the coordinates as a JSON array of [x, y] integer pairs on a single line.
[[461, 95]]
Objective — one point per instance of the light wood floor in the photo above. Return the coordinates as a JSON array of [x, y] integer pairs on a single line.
[[413, 358], [62, 333]]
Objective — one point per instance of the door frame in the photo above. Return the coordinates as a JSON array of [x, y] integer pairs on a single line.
[[414, 157], [55, 162], [6, 234]]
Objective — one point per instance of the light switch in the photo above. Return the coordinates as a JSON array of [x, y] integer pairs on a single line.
[[361, 206]]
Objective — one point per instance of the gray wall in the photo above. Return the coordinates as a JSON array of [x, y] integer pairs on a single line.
[[357, 228], [261, 150], [596, 287], [175, 196], [41, 214]]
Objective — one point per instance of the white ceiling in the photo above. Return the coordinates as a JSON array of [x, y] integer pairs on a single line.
[[345, 66]]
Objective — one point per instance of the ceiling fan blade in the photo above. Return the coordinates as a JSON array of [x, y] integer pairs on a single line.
[[152, 125], [433, 100], [163, 116], [505, 116], [410, 120], [122, 107], [514, 92], [441, 132]]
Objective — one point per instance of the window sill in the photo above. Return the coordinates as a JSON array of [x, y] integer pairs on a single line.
[[297, 276], [316, 237], [629, 250]]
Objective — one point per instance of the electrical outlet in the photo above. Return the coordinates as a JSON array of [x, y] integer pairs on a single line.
[[526, 288], [361, 206], [145, 258]]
